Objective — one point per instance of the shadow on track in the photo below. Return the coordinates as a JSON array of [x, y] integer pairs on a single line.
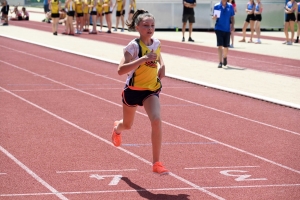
[[148, 195]]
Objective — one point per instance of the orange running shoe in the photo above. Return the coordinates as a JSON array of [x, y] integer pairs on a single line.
[[116, 138], [160, 169]]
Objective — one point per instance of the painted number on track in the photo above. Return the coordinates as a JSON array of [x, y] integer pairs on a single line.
[[115, 178], [240, 175]]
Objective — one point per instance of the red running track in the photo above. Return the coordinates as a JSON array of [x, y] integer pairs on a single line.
[[57, 111], [278, 65]]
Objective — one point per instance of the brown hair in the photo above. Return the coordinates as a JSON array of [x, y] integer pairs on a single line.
[[137, 17]]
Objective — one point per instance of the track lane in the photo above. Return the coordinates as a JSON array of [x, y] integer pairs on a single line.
[[217, 131], [41, 98]]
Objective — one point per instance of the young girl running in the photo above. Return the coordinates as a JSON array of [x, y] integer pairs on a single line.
[[143, 84], [250, 19], [54, 7], [290, 19], [298, 22], [257, 13]]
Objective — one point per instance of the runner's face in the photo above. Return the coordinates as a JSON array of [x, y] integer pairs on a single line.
[[146, 27]]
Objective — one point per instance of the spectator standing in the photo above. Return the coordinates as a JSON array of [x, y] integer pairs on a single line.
[[86, 15], [70, 8], [100, 13], [249, 19], [223, 14], [232, 29], [107, 8], [120, 13], [132, 9], [54, 7], [4, 11], [290, 19], [93, 13], [79, 16], [258, 17], [298, 22], [188, 15]]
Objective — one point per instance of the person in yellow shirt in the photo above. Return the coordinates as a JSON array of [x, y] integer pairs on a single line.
[[107, 9], [143, 63], [100, 13], [79, 16], [93, 13], [70, 9], [120, 13], [54, 7], [132, 9], [86, 15]]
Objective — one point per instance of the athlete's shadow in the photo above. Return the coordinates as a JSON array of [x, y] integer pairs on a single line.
[[148, 195]]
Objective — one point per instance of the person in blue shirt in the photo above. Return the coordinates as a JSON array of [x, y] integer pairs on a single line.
[[46, 10], [223, 28]]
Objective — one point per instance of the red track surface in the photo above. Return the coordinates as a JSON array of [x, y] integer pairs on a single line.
[[56, 116], [272, 64]]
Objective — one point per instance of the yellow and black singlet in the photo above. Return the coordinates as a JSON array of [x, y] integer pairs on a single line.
[[54, 6], [106, 9], [99, 6], [79, 6], [145, 76], [119, 5]]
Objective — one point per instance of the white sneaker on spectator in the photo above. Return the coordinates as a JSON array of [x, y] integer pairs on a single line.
[[258, 41]]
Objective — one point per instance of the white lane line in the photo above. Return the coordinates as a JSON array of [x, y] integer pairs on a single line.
[[101, 191], [46, 90], [34, 175], [247, 94], [253, 186], [170, 124], [220, 167], [149, 190], [234, 115], [2, 173], [102, 139], [171, 96], [88, 171]]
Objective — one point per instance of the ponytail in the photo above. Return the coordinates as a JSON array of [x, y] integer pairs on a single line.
[[136, 18]]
